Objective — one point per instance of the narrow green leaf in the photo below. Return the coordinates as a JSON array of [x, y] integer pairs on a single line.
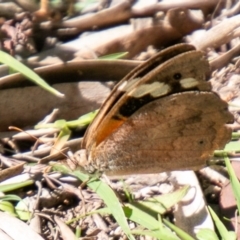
[[105, 193], [147, 221], [83, 121], [137, 215], [23, 211], [10, 197], [6, 206], [14, 186], [27, 72], [157, 234], [178, 231], [206, 234], [62, 138], [113, 56], [109, 198], [234, 181], [221, 228], [156, 228], [161, 204], [232, 146], [235, 135]]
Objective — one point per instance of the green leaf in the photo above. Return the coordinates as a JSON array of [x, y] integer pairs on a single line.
[[224, 233], [144, 219], [14, 186], [178, 231], [6, 206], [83, 121], [113, 56], [10, 197], [147, 221], [27, 72], [109, 198], [62, 138], [129, 210], [234, 181], [161, 204], [105, 193], [206, 234], [235, 135], [232, 146], [23, 211], [157, 234]]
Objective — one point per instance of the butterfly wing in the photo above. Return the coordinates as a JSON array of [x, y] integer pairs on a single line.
[[179, 131], [184, 72], [136, 73]]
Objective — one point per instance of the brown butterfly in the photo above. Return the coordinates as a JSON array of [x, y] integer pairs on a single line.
[[162, 116]]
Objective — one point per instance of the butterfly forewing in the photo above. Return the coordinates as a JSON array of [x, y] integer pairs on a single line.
[[189, 73], [136, 73]]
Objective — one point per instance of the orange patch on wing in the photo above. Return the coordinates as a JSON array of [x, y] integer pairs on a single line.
[[108, 129]]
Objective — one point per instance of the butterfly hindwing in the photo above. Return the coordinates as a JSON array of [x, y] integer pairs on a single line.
[[180, 131]]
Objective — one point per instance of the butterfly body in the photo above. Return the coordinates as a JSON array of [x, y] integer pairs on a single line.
[[161, 117]]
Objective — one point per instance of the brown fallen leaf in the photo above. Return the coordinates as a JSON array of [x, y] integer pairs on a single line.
[[11, 171], [220, 34], [66, 232], [177, 23], [224, 59]]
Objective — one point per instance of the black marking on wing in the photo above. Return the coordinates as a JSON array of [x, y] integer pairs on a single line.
[[132, 104]]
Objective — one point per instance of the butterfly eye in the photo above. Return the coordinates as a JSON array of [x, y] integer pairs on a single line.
[[177, 76]]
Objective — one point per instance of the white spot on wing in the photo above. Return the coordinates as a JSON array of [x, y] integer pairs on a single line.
[[188, 83], [155, 89]]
